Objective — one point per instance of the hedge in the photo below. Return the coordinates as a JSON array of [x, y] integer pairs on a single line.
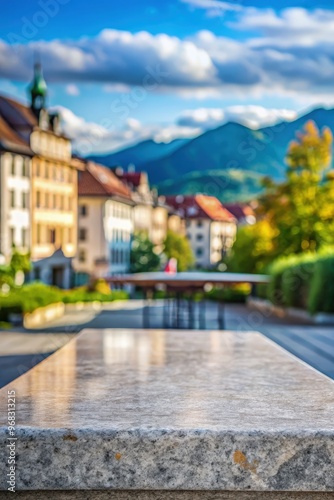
[[304, 281], [32, 296]]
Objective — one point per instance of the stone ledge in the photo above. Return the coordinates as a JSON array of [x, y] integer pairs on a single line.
[[165, 495], [43, 315], [172, 410], [290, 312]]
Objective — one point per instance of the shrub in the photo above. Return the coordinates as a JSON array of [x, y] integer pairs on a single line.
[[234, 294], [321, 296], [304, 281], [289, 278]]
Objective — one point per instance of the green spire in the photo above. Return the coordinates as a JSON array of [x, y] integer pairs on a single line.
[[38, 89]]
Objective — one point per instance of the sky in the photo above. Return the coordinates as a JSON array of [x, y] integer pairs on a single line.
[[120, 72]]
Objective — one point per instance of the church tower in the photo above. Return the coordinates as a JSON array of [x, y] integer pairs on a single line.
[[38, 91]]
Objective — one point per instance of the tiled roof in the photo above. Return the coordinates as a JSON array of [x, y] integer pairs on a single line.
[[131, 178], [11, 141], [18, 116], [200, 207], [97, 180], [239, 210]]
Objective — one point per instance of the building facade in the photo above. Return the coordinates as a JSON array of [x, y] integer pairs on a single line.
[[105, 223], [15, 192], [52, 209], [210, 228]]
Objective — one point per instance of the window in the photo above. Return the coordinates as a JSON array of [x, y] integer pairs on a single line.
[[54, 204], [52, 236], [25, 168], [82, 234], [83, 210], [82, 256], [37, 273], [24, 200], [12, 236], [70, 235], [199, 223], [12, 170], [24, 237], [199, 237], [38, 169], [38, 199], [199, 252], [12, 199], [39, 234]]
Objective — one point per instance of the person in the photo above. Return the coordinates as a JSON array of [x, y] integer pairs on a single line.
[[171, 266]]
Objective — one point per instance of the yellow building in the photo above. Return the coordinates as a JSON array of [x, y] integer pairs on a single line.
[[53, 186]]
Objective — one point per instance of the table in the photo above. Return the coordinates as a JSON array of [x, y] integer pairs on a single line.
[[184, 283]]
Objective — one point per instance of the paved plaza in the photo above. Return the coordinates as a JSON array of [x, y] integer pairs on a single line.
[[21, 349]]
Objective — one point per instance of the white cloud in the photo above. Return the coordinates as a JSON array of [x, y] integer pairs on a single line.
[[72, 89], [90, 138], [291, 53], [297, 25], [252, 116], [214, 8]]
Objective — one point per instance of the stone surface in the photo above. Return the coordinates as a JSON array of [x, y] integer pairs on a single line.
[[175, 410], [167, 495]]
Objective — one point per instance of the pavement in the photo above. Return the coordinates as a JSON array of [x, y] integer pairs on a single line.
[[21, 349]]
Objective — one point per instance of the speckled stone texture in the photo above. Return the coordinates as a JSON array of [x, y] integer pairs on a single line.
[[167, 495], [175, 410]]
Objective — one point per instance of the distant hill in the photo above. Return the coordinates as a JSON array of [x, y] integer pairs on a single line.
[[226, 185], [140, 153], [185, 165]]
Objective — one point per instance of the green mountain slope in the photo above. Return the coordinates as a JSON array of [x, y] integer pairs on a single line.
[[230, 147], [139, 153], [235, 146], [227, 185]]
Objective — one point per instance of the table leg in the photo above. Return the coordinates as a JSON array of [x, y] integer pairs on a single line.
[[146, 309], [201, 318], [178, 310], [166, 312], [221, 315], [190, 313]]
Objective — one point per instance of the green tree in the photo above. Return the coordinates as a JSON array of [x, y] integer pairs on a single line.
[[142, 257], [20, 262], [302, 208], [178, 247], [253, 248]]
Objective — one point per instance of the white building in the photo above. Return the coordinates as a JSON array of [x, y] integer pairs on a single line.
[[211, 229], [105, 223], [15, 188]]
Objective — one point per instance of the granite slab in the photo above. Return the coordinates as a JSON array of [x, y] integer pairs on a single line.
[[166, 495], [171, 410]]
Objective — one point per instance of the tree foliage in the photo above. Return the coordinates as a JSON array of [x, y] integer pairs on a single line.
[[253, 248], [301, 209], [142, 257], [20, 262], [178, 247]]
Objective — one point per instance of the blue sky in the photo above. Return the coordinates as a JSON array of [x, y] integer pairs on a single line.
[[120, 72]]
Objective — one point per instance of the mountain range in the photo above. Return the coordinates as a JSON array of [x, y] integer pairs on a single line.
[[228, 162]]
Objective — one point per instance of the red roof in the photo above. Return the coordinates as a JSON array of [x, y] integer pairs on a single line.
[[10, 140], [240, 210], [97, 180], [132, 179], [200, 207], [18, 116], [16, 123]]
